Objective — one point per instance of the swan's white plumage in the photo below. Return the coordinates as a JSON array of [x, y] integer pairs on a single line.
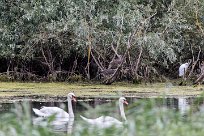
[[49, 111], [103, 121], [59, 113], [107, 121]]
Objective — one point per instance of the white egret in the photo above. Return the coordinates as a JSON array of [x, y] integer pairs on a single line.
[[182, 69]]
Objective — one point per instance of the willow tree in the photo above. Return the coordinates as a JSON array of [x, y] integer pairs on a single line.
[[138, 36], [126, 39], [193, 38], [35, 30]]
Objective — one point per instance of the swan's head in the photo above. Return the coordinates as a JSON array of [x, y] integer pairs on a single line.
[[123, 100], [72, 96]]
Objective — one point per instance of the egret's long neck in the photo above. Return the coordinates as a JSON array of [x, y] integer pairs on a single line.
[[122, 112], [71, 113]]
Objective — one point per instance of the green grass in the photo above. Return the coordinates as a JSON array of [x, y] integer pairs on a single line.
[[145, 118], [17, 89]]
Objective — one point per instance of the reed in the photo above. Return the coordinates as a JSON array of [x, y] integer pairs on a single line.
[[145, 118]]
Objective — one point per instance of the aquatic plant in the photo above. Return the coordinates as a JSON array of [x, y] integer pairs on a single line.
[[19, 123], [145, 117]]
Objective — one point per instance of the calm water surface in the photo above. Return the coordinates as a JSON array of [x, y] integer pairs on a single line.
[[82, 104]]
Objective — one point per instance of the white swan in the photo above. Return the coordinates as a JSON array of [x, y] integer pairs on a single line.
[[59, 113], [107, 121]]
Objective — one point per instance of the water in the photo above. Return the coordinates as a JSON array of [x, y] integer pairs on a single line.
[[178, 104]]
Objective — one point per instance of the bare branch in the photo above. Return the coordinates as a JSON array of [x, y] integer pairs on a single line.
[[97, 62], [194, 63]]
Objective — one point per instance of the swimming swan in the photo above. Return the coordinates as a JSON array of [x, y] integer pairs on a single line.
[[59, 113], [107, 121]]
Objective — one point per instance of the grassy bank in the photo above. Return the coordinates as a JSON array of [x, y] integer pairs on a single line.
[[15, 90]]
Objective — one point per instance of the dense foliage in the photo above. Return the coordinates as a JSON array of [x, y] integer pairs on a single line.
[[66, 40]]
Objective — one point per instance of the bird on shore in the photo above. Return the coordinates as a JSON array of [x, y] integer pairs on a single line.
[[182, 72], [182, 69]]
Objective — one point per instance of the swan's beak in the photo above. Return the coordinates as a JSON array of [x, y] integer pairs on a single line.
[[125, 102], [74, 98]]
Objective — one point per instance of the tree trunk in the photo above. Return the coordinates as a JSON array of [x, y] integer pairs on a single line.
[[137, 64]]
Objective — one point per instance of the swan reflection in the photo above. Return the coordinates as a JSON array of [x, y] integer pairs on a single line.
[[56, 124]]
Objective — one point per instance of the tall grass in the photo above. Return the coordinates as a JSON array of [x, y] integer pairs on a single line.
[[19, 123], [145, 118], [148, 118]]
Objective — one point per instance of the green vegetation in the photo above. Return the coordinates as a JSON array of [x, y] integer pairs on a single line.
[[147, 118], [19, 123], [51, 47], [144, 118], [105, 40], [51, 91]]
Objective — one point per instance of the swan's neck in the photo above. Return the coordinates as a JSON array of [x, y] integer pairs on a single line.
[[122, 112], [71, 113]]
